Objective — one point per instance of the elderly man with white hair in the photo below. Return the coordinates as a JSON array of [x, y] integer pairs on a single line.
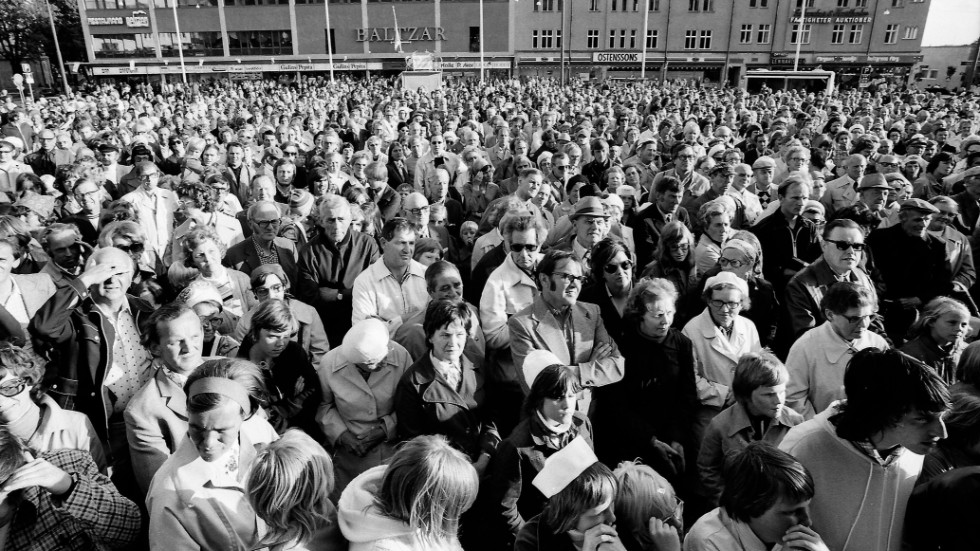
[[357, 414]]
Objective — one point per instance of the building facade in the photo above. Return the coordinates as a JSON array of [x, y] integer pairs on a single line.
[[711, 40]]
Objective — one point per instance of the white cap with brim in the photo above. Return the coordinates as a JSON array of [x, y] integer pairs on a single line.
[[729, 279], [536, 362], [564, 466]]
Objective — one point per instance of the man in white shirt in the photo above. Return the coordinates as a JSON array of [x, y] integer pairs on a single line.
[[155, 207], [393, 288]]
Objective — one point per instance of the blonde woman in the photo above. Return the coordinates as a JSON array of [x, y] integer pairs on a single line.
[[289, 488], [649, 515]]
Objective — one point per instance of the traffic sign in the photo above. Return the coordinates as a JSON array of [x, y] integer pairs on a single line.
[[25, 66]]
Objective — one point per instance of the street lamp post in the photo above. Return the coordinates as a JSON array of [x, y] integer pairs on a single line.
[[646, 30], [57, 49], [481, 42], [180, 43], [799, 34], [326, 10]]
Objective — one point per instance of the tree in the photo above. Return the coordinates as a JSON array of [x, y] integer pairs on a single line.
[[21, 24]]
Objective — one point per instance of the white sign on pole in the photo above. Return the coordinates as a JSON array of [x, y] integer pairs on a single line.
[[29, 78]]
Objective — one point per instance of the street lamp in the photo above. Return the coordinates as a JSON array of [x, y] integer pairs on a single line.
[[326, 10]]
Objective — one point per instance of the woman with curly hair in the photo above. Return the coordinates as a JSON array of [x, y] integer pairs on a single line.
[[200, 206]]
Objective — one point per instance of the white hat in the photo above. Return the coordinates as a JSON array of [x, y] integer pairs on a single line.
[[730, 279], [564, 466], [536, 362], [366, 342]]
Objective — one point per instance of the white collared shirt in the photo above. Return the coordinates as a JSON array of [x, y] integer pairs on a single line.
[[377, 293]]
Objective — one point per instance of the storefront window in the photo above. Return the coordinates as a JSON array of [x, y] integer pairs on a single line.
[[198, 44], [107, 46], [260, 43]]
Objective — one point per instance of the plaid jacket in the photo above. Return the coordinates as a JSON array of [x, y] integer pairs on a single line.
[[94, 516]]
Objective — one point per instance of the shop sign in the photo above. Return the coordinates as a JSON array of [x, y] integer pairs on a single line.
[[138, 19], [618, 57], [832, 16], [406, 34], [235, 69], [103, 21], [451, 65]]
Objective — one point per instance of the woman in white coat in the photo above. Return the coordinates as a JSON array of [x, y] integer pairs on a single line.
[[197, 498], [720, 337]]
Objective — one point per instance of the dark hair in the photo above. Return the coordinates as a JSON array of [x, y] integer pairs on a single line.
[[963, 420], [203, 195], [859, 213], [592, 488], [436, 269], [241, 371], [440, 313], [551, 260], [668, 183], [845, 223], [844, 295], [553, 382], [758, 477], [395, 226], [166, 313], [881, 387], [272, 315], [603, 252], [941, 157]]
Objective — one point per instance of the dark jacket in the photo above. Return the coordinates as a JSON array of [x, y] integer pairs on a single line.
[[426, 404], [942, 515], [806, 289], [597, 294], [507, 497], [536, 535], [784, 248], [325, 265], [78, 339], [492, 260], [596, 172], [647, 226], [904, 266], [243, 257], [397, 177], [657, 397]]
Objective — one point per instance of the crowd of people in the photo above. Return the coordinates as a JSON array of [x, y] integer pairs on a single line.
[[521, 315]]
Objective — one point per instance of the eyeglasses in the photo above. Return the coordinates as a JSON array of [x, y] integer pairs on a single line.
[[290, 153], [625, 266], [419, 211], [13, 387], [266, 291], [267, 223], [845, 245], [569, 278], [133, 248], [148, 176], [520, 247], [562, 167], [723, 262], [856, 319], [723, 305]]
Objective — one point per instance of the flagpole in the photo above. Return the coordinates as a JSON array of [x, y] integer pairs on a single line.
[[180, 44], [57, 48], [398, 35], [326, 9], [481, 42]]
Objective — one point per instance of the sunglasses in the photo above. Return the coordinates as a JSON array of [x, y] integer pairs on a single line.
[[520, 247], [13, 388], [625, 266], [845, 245], [134, 248]]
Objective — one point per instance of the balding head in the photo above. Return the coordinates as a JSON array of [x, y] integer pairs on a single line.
[[416, 209]]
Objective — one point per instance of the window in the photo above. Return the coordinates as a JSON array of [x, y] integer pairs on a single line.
[[547, 5], [113, 5], [705, 40], [860, 3], [633, 39], [911, 33], [932, 75], [333, 41], [594, 5], [636, 5], [197, 44], [612, 38], [837, 35], [622, 38], [251, 2], [758, 3], [614, 5], [745, 36], [534, 40], [592, 41], [122, 45], [891, 34], [653, 5], [690, 40], [547, 39], [652, 36], [897, 3], [474, 39], [764, 32], [701, 5], [799, 4], [841, 3], [260, 43], [804, 37], [856, 32], [558, 39]]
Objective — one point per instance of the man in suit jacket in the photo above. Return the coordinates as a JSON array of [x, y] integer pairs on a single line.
[[264, 246], [416, 209], [571, 330], [237, 172], [842, 192], [591, 225], [652, 218], [22, 295]]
